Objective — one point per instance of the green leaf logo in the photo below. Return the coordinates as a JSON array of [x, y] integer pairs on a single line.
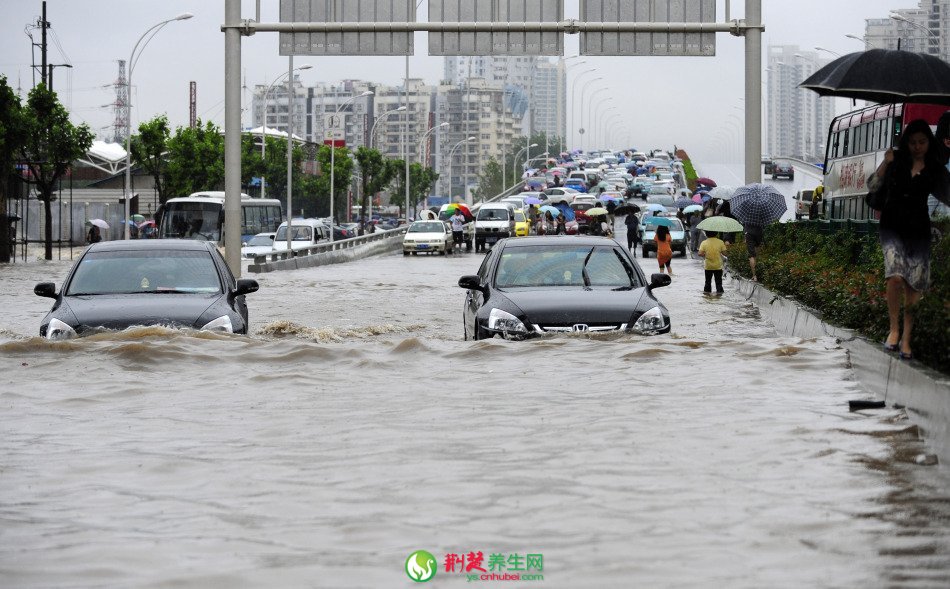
[[421, 566]]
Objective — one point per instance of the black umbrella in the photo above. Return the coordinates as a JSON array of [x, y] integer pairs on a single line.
[[885, 76], [626, 209]]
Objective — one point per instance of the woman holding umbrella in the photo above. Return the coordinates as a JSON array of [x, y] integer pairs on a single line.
[[905, 178]]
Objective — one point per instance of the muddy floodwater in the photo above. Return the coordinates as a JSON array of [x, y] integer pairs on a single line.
[[355, 426]]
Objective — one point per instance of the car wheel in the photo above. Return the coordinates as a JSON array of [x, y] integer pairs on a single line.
[[683, 252], [415, 253], [468, 245], [405, 253], [645, 253]]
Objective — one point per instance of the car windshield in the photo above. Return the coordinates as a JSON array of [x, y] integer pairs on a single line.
[[493, 215], [301, 233], [673, 224], [569, 265], [261, 240], [519, 217], [430, 227], [152, 271], [661, 199]]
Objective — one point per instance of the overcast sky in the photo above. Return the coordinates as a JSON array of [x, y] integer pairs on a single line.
[[664, 100]]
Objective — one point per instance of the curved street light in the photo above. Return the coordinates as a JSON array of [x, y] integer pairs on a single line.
[[451, 152], [590, 115], [422, 150], [305, 66], [574, 104], [598, 115], [861, 39], [835, 53], [333, 159], [916, 25], [128, 111]]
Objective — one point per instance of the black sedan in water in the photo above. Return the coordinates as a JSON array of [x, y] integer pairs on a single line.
[[170, 282], [553, 284]]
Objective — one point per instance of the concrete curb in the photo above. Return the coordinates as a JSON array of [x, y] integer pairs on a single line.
[[924, 392], [391, 243]]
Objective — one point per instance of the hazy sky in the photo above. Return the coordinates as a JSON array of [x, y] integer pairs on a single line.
[[664, 100]]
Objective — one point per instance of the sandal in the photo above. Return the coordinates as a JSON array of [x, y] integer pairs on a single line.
[[890, 347], [906, 356]]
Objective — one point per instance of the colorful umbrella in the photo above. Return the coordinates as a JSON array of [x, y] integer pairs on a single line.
[[723, 224], [138, 218], [149, 223], [457, 206], [706, 181], [757, 204], [697, 198]]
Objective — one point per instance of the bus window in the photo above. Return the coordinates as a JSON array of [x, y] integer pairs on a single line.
[[836, 146], [844, 148], [875, 135], [252, 220]]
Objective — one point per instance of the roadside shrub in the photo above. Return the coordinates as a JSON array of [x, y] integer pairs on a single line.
[[841, 276]]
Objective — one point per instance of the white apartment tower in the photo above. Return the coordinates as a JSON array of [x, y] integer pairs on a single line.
[[798, 119]]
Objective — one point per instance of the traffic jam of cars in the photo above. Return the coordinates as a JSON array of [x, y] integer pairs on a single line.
[[550, 264]]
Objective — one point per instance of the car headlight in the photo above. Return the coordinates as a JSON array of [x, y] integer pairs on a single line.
[[222, 324], [650, 323], [59, 331], [505, 322]]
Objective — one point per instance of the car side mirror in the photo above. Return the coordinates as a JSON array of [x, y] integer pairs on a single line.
[[45, 289], [471, 282], [247, 286], [657, 280]]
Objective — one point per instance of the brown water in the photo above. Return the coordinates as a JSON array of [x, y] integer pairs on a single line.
[[355, 426]]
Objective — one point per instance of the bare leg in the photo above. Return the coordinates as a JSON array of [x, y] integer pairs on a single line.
[[895, 287], [911, 297], [752, 266]]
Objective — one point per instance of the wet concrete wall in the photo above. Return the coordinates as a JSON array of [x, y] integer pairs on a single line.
[[924, 392]]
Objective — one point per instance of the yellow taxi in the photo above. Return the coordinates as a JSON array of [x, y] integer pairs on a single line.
[[522, 224]]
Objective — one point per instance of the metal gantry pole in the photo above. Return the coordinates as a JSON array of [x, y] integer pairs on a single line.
[[753, 91], [405, 138], [232, 136], [290, 154]]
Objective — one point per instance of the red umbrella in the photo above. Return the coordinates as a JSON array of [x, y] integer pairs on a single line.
[[457, 206], [705, 181]]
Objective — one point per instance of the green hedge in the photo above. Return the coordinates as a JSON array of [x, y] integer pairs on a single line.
[[841, 275]]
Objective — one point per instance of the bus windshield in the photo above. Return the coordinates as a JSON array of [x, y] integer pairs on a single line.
[[192, 220]]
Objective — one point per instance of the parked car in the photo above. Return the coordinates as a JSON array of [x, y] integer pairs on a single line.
[[567, 193], [802, 200], [576, 184], [341, 232], [648, 232], [178, 283], [259, 245], [522, 224], [583, 221], [553, 284], [783, 170], [433, 237]]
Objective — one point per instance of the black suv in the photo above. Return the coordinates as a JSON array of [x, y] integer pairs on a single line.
[[783, 169]]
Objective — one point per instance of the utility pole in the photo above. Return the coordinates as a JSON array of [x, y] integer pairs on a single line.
[[44, 24]]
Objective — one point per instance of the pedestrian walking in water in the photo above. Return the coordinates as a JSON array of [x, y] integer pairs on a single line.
[[711, 250], [754, 238], [664, 249], [633, 232], [903, 181], [458, 228]]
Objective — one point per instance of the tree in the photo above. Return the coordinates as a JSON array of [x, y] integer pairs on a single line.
[[421, 181], [51, 144], [376, 172], [514, 169], [12, 135], [195, 159], [341, 177], [490, 180], [148, 151]]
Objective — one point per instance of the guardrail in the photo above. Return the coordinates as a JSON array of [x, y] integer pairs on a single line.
[[331, 252]]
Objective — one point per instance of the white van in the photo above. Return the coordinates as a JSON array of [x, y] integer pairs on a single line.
[[493, 221], [306, 233]]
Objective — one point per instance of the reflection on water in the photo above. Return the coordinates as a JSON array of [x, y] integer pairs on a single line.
[[355, 426]]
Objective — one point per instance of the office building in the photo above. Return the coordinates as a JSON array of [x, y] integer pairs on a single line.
[[798, 119]]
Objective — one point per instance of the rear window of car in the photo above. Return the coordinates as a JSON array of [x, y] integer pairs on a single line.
[[153, 271], [433, 227], [493, 215]]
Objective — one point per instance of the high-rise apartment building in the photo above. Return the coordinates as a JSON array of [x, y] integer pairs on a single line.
[[925, 29], [798, 119]]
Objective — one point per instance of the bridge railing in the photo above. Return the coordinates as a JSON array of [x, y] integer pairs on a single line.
[[308, 256]]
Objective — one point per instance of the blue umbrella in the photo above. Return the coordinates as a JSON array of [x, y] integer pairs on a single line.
[[693, 208], [757, 204], [657, 221], [683, 202], [565, 210], [553, 210]]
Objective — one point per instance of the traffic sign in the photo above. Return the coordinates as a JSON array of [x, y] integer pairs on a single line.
[[339, 11], [509, 42], [333, 129], [650, 43]]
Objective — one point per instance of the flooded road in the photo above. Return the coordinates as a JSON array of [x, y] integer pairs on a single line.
[[355, 426]]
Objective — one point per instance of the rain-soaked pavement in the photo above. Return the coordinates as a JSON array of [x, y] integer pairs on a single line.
[[355, 426]]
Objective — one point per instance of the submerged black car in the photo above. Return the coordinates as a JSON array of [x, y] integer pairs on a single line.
[[169, 282], [540, 285]]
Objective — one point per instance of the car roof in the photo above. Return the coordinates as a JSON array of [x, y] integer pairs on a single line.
[[151, 244], [532, 240]]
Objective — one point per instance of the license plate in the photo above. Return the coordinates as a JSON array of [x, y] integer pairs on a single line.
[[422, 246], [491, 239]]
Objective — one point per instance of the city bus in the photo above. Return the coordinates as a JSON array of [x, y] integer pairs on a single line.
[[200, 215], [855, 147]]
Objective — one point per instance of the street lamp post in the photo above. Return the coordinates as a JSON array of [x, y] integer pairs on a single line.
[[128, 111], [590, 114], [333, 157], [835, 53], [264, 123], [368, 217], [422, 153], [528, 147], [916, 25], [595, 112], [583, 90], [856, 38], [451, 152], [575, 104]]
